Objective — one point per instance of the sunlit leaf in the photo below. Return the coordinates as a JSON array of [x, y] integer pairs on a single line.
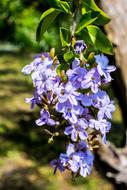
[[89, 5], [86, 19], [64, 35], [45, 21], [60, 5], [94, 36], [68, 56]]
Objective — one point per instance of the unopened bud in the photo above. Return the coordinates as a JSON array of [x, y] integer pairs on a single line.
[[56, 134], [55, 60], [52, 53], [91, 56], [95, 146], [62, 74], [79, 46], [50, 140], [73, 41]]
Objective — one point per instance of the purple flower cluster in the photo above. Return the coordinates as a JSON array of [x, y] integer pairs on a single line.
[[78, 159], [79, 100]]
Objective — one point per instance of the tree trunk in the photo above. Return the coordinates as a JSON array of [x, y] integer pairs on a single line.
[[117, 33], [114, 160]]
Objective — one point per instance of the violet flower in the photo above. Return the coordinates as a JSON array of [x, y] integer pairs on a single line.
[[79, 46], [70, 112], [91, 80], [77, 130], [78, 101], [45, 118], [76, 76], [103, 68], [101, 125], [78, 160], [68, 93]]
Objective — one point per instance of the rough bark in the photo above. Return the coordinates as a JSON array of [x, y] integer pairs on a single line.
[[116, 29], [113, 163], [117, 33], [113, 160]]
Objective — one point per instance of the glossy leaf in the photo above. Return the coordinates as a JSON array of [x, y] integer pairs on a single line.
[[60, 5], [65, 6], [90, 5], [64, 35], [86, 19], [45, 21], [68, 56], [94, 36]]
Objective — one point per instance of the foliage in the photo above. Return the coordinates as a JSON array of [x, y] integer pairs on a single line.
[[18, 23], [89, 14]]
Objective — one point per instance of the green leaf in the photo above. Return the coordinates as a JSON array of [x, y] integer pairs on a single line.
[[45, 21], [64, 35], [89, 5], [94, 36], [61, 67], [86, 19], [68, 56], [65, 6], [60, 5]]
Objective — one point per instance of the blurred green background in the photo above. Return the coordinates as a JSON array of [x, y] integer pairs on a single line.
[[24, 152]]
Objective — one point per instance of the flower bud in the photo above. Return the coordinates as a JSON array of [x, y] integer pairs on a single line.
[[56, 134], [62, 74], [79, 46], [91, 56], [52, 53], [73, 41], [50, 140]]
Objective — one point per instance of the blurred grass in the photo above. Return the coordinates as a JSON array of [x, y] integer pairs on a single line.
[[24, 152], [18, 24]]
